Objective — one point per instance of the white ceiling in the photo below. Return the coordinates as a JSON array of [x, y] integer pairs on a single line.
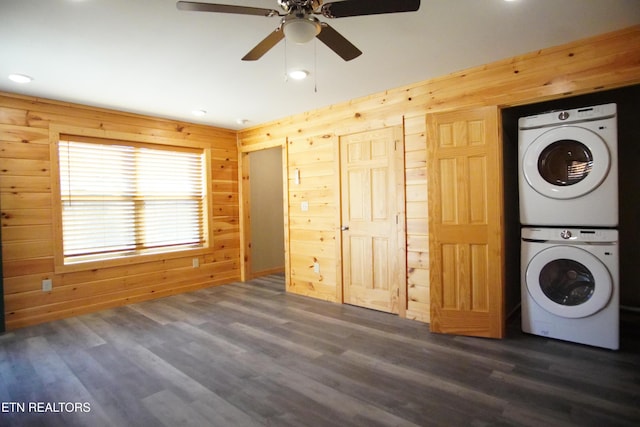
[[145, 56]]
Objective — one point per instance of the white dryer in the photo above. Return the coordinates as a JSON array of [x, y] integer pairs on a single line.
[[570, 285], [568, 168]]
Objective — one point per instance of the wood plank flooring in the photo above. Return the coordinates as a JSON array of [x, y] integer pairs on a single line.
[[248, 354]]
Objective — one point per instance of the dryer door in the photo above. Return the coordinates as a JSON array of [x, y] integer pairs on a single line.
[[568, 281], [566, 162]]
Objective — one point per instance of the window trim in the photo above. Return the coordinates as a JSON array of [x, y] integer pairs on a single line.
[[58, 131]]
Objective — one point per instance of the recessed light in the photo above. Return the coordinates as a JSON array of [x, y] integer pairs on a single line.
[[199, 113], [20, 78], [298, 74], [242, 121]]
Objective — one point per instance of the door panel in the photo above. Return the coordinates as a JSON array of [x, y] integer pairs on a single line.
[[478, 190], [465, 219], [374, 265]]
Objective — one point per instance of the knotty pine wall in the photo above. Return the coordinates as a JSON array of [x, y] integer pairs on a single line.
[[27, 225], [595, 64], [313, 235]]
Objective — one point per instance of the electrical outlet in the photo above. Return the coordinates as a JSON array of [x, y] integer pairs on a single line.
[[316, 267], [304, 206], [195, 262], [47, 285]]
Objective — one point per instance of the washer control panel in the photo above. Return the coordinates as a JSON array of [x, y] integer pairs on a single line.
[[573, 235]]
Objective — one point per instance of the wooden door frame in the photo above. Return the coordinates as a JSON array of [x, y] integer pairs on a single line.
[[245, 207], [401, 228]]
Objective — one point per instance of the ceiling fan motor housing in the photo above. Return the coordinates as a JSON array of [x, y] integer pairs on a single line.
[[304, 6]]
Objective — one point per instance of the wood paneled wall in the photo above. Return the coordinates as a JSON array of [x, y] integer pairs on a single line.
[[27, 224], [312, 234], [598, 63], [417, 219]]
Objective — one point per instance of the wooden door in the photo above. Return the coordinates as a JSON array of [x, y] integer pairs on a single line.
[[464, 163], [373, 253]]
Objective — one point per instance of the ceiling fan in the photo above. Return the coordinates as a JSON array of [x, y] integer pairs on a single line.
[[299, 25]]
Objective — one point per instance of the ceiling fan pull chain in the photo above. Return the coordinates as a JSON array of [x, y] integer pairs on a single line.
[[286, 72], [315, 66]]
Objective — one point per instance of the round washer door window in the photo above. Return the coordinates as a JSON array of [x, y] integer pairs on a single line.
[[566, 162], [568, 282]]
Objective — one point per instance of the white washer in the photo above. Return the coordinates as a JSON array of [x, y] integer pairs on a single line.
[[568, 168], [570, 285]]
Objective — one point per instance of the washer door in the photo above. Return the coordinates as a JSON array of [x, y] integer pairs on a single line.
[[566, 162], [568, 281]]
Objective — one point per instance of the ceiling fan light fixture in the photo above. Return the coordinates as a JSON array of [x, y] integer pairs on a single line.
[[301, 30], [298, 74], [20, 78]]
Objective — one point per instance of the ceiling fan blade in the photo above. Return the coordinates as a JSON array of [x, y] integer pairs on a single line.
[[265, 45], [337, 43], [347, 8], [225, 8]]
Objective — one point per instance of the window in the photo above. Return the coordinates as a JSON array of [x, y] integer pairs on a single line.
[[125, 198]]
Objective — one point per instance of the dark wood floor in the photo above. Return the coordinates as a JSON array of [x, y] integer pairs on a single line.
[[248, 354]]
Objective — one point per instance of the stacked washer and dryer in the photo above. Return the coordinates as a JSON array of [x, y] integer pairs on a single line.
[[568, 190]]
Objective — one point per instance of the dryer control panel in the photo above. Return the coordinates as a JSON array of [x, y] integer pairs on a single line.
[[555, 118]]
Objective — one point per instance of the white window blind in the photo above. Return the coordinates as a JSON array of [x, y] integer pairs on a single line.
[[120, 199]]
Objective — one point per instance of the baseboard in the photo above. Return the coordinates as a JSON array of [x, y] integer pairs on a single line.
[[267, 272]]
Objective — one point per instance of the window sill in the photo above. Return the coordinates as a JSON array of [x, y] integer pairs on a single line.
[[126, 260]]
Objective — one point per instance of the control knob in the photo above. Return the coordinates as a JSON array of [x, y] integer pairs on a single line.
[[565, 234]]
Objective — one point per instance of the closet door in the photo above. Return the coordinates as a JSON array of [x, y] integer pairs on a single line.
[[466, 222], [373, 244]]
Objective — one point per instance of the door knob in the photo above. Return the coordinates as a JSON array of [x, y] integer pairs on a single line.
[[344, 228]]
